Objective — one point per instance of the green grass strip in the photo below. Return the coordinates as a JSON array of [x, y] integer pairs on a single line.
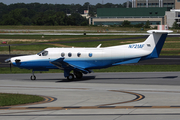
[[8, 99]]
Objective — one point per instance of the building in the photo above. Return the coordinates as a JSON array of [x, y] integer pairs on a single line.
[[156, 11], [174, 4], [172, 16], [115, 16]]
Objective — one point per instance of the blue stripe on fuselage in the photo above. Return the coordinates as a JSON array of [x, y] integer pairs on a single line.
[[86, 64], [39, 64]]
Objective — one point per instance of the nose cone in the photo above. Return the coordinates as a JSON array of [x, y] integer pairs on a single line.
[[8, 60]]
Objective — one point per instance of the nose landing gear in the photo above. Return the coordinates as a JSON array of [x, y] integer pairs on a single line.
[[33, 77]]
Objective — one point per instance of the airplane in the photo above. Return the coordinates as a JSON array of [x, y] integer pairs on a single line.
[[83, 60]]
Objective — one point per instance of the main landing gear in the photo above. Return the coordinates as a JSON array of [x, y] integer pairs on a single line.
[[78, 75], [70, 77], [33, 77]]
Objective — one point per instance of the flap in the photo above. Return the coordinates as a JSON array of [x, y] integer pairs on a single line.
[[61, 64]]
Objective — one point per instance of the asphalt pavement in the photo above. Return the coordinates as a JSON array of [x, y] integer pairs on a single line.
[[102, 96]]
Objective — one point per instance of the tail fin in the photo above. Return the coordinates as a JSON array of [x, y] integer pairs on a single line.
[[155, 42]]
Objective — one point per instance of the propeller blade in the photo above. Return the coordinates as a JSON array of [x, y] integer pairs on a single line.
[[10, 67], [10, 57]]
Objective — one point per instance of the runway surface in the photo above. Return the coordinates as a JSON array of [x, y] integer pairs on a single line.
[[102, 96]]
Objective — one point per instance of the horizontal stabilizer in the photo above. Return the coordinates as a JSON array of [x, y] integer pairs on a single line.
[[159, 31]]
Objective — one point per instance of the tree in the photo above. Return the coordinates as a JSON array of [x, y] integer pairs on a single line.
[[78, 19], [61, 18], [48, 14], [98, 5], [147, 25], [86, 5], [140, 25], [126, 23], [175, 25], [16, 17], [109, 5]]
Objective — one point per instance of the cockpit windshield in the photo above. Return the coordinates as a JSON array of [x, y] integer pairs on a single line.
[[43, 53]]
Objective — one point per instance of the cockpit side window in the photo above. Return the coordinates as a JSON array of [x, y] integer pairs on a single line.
[[39, 53], [45, 53]]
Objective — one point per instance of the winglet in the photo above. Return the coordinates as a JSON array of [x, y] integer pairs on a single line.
[[99, 46]]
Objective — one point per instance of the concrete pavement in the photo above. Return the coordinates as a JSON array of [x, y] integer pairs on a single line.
[[160, 101]]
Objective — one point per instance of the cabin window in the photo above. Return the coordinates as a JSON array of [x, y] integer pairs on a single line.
[[78, 54], [69, 54], [90, 54], [62, 54], [45, 53]]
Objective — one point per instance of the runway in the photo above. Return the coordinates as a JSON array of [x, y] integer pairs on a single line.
[[102, 96]]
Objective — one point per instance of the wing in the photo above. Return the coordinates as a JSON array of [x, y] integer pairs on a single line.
[[61, 64]]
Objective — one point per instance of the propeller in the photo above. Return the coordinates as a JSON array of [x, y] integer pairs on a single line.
[[10, 58], [9, 61]]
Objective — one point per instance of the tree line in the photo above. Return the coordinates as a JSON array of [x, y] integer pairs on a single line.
[[49, 14]]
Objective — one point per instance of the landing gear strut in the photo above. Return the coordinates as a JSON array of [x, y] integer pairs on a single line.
[[33, 77]]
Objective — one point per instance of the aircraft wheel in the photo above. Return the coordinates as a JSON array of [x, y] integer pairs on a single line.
[[70, 77], [79, 75], [33, 77]]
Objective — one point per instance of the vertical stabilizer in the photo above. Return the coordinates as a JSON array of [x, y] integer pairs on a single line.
[[155, 42]]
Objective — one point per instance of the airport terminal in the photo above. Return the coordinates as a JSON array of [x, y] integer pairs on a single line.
[[157, 12]]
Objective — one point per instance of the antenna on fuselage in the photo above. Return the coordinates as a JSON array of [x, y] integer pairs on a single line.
[[99, 46]]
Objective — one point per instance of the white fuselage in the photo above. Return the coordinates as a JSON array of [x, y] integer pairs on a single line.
[[90, 58]]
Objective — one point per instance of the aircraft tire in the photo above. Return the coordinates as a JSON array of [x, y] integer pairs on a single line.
[[33, 77], [79, 75], [70, 77]]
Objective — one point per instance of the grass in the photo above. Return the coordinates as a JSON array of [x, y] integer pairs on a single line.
[[26, 47], [104, 43], [120, 68], [70, 28], [75, 37], [172, 38], [171, 46], [7, 99], [40, 47]]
